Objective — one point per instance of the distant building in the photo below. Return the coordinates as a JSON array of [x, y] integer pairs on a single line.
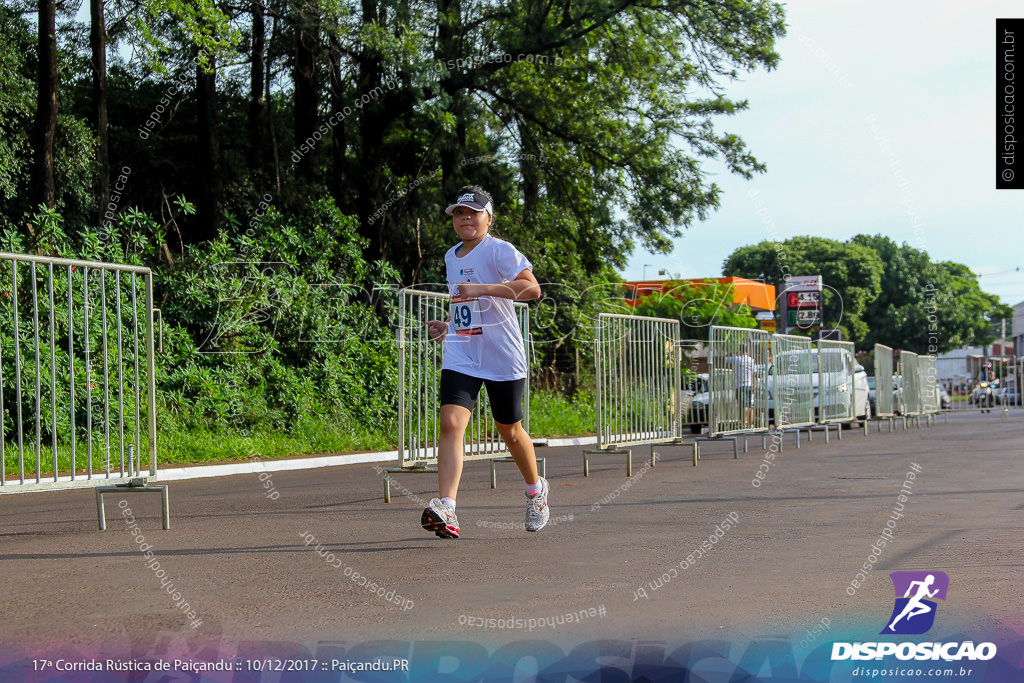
[[961, 368]]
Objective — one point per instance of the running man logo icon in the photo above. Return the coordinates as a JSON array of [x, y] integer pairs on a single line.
[[913, 613]]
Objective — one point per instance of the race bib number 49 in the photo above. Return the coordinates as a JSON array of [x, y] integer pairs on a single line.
[[465, 314]]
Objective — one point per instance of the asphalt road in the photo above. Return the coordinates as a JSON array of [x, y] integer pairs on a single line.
[[783, 557]]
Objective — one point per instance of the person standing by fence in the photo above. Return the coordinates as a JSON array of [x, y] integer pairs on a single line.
[[482, 346], [743, 374]]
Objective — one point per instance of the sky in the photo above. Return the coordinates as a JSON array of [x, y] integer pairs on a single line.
[[880, 119]]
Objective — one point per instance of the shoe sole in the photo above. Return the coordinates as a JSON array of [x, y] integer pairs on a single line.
[[431, 521]]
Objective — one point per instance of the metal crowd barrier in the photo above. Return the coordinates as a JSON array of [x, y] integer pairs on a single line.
[[837, 392], [929, 384], [956, 380], [77, 369], [419, 375], [1014, 387], [885, 387], [738, 360], [910, 381], [637, 363], [792, 383], [1004, 373], [693, 393]]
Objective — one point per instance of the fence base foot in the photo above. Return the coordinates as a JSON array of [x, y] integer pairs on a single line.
[[388, 471], [826, 428], [615, 451], [542, 464], [137, 486], [696, 445]]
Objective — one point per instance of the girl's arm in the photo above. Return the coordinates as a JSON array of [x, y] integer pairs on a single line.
[[524, 288]]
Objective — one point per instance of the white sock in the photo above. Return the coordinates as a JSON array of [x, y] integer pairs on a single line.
[[450, 501], [534, 489]]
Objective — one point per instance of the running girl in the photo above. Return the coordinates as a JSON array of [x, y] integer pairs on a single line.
[[482, 346]]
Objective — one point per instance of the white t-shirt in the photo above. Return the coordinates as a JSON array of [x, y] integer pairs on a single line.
[[488, 343], [743, 367]]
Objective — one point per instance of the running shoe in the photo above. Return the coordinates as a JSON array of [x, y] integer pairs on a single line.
[[440, 518], [537, 508]]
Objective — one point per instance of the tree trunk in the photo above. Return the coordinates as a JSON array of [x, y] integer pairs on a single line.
[[257, 108], [529, 168], [453, 146], [46, 107], [98, 43], [338, 179], [371, 152], [306, 95], [209, 206]]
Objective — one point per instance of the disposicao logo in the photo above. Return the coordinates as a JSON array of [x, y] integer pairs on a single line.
[[914, 612]]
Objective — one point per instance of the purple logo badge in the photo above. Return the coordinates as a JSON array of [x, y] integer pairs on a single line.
[[916, 592]]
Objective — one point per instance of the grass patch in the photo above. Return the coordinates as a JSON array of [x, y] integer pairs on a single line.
[[551, 415], [554, 415], [185, 445]]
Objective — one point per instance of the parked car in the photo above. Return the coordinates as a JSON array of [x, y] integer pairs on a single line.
[[695, 401], [859, 393], [1007, 396]]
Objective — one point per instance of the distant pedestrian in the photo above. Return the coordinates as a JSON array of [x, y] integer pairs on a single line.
[[743, 377], [482, 346]]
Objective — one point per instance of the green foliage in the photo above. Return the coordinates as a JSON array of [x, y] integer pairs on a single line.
[[278, 334], [697, 306], [16, 108], [592, 143], [553, 414], [882, 292], [926, 307], [279, 330]]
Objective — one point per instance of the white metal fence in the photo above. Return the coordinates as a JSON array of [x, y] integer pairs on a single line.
[[77, 378], [792, 382], [639, 400], [884, 386], [636, 360], [928, 383], [78, 398], [910, 384], [738, 386], [419, 375], [836, 381]]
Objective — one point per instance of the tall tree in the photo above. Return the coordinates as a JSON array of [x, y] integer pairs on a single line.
[[98, 45], [257, 104], [46, 105], [923, 306], [210, 181], [339, 141], [851, 273], [307, 95]]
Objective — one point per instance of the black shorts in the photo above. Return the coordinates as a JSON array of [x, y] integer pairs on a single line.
[[506, 397]]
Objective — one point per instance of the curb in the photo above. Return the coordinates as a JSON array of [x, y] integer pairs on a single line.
[[259, 465]]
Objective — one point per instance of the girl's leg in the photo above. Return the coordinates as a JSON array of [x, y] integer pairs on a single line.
[[520, 446], [451, 448]]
